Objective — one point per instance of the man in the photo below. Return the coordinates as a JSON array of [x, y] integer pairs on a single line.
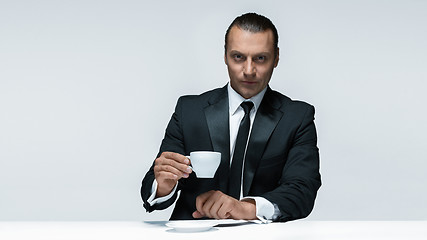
[[273, 175]]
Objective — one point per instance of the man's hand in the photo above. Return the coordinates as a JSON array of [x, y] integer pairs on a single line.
[[215, 204], [168, 169]]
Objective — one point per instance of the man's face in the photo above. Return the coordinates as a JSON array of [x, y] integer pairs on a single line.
[[250, 60]]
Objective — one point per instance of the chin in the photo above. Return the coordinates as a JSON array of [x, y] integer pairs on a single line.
[[247, 92], [248, 95]]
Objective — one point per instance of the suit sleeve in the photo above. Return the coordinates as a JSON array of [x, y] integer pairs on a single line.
[[300, 178], [173, 142]]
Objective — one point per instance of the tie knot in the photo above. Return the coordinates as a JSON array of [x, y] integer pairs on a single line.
[[247, 106]]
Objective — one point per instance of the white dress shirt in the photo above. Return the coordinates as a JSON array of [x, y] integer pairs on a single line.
[[264, 209]]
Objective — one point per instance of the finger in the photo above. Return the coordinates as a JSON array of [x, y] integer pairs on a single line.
[[164, 164], [197, 214], [177, 157], [168, 172], [200, 201], [212, 205], [221, 206], [175, 163], [225, 211], [207, 208], [165, 175], [215, 208]]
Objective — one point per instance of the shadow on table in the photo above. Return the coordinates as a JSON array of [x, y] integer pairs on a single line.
[[196, 231], [156, 223], [234, 224], [163, 223]]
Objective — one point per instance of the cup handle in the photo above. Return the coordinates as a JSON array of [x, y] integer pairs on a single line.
[[189, 165]]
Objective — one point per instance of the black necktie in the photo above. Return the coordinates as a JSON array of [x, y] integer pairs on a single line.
[[234, 180]]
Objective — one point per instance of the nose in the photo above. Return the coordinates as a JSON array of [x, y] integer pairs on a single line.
[[249, 68]]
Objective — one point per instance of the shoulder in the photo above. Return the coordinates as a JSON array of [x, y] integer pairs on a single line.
[[205, 98], [285, 103]]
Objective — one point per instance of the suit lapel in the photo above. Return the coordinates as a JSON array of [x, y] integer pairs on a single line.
[[265, 122], [216, 114]]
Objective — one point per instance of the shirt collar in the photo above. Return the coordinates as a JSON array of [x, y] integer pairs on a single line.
[[235, 99]]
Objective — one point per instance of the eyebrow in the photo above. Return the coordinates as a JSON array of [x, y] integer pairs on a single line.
[[256, 54]]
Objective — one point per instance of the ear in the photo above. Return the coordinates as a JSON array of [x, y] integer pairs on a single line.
[[276, 60], [225, 59]]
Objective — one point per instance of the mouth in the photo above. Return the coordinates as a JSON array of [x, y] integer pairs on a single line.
[[249, 82]]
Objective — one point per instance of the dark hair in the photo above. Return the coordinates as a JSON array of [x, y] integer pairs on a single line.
[[254, 23]]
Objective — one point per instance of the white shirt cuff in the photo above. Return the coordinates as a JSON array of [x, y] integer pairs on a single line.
[[265, 210], [152, 200]]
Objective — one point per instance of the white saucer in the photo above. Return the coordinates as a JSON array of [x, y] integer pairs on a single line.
[[191, 226]]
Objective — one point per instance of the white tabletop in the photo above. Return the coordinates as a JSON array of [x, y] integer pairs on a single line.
[[299, 230]]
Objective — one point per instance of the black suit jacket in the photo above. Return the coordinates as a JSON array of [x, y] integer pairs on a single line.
[[282, 159]]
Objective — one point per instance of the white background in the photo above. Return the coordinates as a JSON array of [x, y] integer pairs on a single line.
[[87, 88]]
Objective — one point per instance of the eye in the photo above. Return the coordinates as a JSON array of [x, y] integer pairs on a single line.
[[260, 58], [238, 57]]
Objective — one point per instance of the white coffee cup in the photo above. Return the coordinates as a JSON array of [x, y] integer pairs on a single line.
[[205, 163]]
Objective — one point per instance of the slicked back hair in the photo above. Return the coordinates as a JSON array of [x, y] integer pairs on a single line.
[[254, 23]]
